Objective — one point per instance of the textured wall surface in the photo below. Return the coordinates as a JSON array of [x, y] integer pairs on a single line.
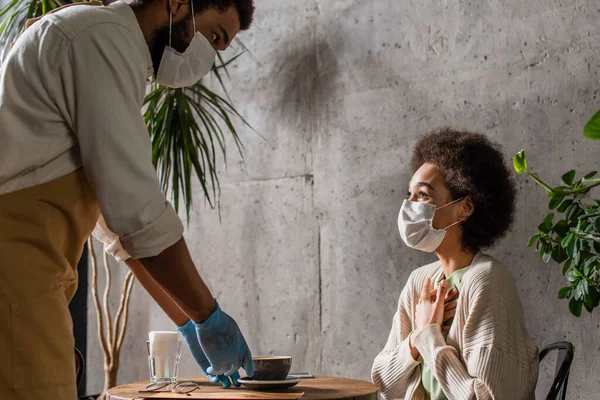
[[307, 256]]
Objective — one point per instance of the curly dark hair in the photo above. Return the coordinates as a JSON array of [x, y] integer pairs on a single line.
[[472, 165], [244, 8]]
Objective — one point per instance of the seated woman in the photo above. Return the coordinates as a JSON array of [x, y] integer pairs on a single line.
[[459, 332]]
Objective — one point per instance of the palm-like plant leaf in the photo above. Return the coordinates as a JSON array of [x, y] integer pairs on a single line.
[[188, 127]]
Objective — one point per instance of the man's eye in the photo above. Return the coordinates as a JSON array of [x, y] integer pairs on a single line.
[[215, 37], [408, 195], [422, 195]]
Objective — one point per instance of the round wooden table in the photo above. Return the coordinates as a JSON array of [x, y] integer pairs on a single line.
[[322, 388]]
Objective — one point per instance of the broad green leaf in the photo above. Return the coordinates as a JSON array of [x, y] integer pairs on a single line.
[[561, 228], [590, 175], [520, 162], [533, 239], [555, 201], [564, 205], [586, 304], [582, 224], [559, 254], [579, 210], [575, 307], [569, 177], [578, 292], [558, 190], [565, 292], [566, 266], [585, 253], [588, 264], [576, 251], [573, 249], [592, 128], [572, 276], [585, 287], [566, 242], [546, 252], [594, 296], [572, 212], [546, 225], [591, 214], [590, 274]]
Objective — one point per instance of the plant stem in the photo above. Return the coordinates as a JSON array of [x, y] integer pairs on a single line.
[[564, 192], [584, 188], [540, 182]]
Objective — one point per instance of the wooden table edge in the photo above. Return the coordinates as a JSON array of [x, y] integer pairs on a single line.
[[366, 396]]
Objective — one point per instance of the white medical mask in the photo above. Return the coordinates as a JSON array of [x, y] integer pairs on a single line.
[[177, 70], [415, 222]]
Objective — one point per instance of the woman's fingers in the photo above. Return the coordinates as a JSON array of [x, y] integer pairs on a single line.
[[449, 314], [441, 294], [432, 294], [425, 291], [449, 296], [451, 305], [451, 293], [438, 310]]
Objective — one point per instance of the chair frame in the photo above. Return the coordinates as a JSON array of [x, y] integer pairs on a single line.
[[79, 366], [563, 366]]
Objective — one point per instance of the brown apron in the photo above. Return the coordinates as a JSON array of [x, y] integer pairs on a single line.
[[42, 233]]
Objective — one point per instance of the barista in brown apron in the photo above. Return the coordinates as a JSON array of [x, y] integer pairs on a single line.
[[72, 139], [43, 231]]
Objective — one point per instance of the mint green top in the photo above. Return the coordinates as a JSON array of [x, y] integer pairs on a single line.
[[431, 385]]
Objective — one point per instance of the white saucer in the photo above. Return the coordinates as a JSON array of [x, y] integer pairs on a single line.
[[269, 385]]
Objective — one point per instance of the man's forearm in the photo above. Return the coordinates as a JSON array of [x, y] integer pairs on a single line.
[[157, 293], [174, 271]]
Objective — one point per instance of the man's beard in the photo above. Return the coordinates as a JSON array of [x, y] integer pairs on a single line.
[[161, 40]]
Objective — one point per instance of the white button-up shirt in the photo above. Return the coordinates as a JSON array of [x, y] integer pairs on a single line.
[[71, 93]]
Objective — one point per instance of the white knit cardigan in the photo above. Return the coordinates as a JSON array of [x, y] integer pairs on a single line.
[[488, 353]]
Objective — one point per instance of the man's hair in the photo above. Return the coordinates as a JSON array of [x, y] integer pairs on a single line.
[[244, 8]]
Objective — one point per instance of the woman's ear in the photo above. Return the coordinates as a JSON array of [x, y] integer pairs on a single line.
[[468, 208]]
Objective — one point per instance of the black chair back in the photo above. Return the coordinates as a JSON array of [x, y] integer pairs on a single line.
[[563, 365], [79, 366]]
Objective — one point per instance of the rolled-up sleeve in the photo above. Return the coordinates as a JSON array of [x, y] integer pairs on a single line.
[[103, 76], [112, 243]]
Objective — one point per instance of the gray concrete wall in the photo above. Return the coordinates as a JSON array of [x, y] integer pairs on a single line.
[[307, 256]]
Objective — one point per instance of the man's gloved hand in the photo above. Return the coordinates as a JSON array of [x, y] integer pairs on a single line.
[[188, 331], [224, 345]]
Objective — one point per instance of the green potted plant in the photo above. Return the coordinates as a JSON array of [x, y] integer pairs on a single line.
[[570, 233]]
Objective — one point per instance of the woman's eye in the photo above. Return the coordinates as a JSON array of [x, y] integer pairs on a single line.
[[423, 195], [408, 195]]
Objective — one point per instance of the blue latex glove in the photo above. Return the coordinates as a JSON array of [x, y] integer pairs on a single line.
[[188, 331], [224, 345]]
